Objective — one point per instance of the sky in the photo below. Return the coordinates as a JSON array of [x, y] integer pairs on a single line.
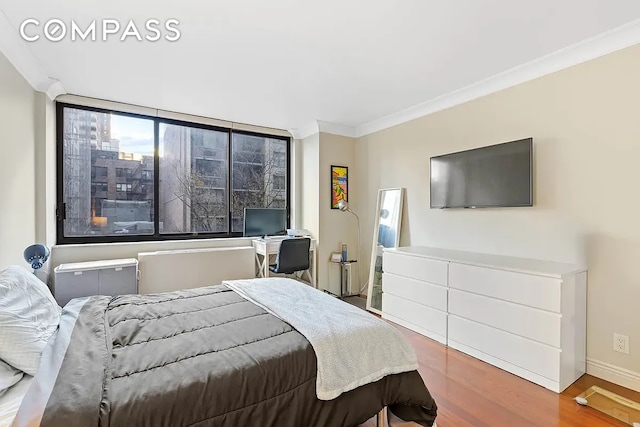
[[135, 134]]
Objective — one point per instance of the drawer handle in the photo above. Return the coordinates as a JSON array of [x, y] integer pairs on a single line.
[[77, 273]]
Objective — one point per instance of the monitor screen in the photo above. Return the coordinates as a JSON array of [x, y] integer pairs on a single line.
[[494, 176], [265, 222]]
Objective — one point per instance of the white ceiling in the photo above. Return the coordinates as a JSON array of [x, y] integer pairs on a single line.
[[289, 63]]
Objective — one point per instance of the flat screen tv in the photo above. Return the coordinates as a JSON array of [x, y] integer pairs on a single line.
[[265, 222], [494, 176]]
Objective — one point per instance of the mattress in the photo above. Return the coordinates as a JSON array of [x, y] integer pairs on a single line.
[[11, 399]]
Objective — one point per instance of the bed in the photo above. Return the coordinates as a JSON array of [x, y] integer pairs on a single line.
[[11, 399], [203, 357]]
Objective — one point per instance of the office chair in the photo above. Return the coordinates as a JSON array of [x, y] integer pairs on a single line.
[[293, 256]]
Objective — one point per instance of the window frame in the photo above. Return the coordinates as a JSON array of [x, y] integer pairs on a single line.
[[61, 239]]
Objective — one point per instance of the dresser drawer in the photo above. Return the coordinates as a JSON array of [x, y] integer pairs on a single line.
[[424, 293], [414, 313], [527, 289], [538, 325], [533, 356], [424, 269]]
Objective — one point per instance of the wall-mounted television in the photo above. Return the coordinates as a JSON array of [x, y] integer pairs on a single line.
[[265, 222], [495, 176]]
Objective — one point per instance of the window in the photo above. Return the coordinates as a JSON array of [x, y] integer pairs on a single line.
[[193, 190], [280, 158], [255, 167], [99, 172], [279, 182], [136, 178], [99, 187], [88, 168], [124, 173]]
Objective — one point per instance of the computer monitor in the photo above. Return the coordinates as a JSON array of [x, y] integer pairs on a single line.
[[265, 222]]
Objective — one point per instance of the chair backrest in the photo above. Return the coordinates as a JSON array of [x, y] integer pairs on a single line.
[[293, 255]]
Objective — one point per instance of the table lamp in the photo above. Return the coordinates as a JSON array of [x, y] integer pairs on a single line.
[[36, 255]]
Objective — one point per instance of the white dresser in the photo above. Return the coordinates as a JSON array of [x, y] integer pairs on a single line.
[[525, 316]]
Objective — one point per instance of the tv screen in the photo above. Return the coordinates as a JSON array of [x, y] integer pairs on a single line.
[[494, 176], [265, 222]]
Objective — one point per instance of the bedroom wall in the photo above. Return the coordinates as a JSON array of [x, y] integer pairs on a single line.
[[330, 227], [45, 169], [310, 185], [584, 121], [17, 165], [336, 227]]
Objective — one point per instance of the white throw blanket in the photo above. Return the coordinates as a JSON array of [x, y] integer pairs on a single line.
[[352, 347]]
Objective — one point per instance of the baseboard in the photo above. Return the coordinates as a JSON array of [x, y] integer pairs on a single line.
[[422, 331], [614, 374]]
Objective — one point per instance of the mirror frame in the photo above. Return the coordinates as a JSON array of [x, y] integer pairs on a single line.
[[376, 228]]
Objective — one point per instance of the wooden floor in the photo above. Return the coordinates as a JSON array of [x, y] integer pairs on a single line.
[[471, 393]]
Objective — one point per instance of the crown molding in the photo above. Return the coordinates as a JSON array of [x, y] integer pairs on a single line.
[[337, 129], [610, 41], [305, 131], [19, 55], [318, 126], [55, 89]]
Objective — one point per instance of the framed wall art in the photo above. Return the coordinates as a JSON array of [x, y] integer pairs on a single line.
[[339, 185]]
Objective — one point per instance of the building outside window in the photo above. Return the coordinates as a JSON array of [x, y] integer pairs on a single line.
[[280, 159], [279, 182], [206, 177]]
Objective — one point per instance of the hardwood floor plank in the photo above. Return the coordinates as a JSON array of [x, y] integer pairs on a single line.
[[471, 393]]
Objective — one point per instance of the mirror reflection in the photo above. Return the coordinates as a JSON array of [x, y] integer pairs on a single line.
[[386, 235]]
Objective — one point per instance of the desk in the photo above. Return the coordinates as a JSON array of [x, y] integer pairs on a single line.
[[266, 248]]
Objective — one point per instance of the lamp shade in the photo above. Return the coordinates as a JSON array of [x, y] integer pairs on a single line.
[[343, 205], [36, 255]]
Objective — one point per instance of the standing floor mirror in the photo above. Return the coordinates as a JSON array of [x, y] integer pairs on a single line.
[[386, 234]]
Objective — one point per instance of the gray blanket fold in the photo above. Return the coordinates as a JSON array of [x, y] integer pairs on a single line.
[[202, 357]]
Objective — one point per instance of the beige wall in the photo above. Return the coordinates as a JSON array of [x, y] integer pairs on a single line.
[[45, 169], [309, 185], [330, 227], [586, 129], [336, 227], [17, 165]]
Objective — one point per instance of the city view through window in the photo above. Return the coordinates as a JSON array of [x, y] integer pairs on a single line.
[[206, 177]]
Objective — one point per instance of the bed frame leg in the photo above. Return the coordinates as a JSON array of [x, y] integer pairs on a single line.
[[381, 418]]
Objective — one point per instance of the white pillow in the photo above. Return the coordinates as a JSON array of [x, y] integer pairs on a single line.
[[8, 376], [29, 315]]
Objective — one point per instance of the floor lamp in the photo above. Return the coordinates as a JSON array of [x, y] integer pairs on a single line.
[[344, 207]]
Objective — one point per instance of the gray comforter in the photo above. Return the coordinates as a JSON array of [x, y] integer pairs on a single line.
[[202, 357]]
